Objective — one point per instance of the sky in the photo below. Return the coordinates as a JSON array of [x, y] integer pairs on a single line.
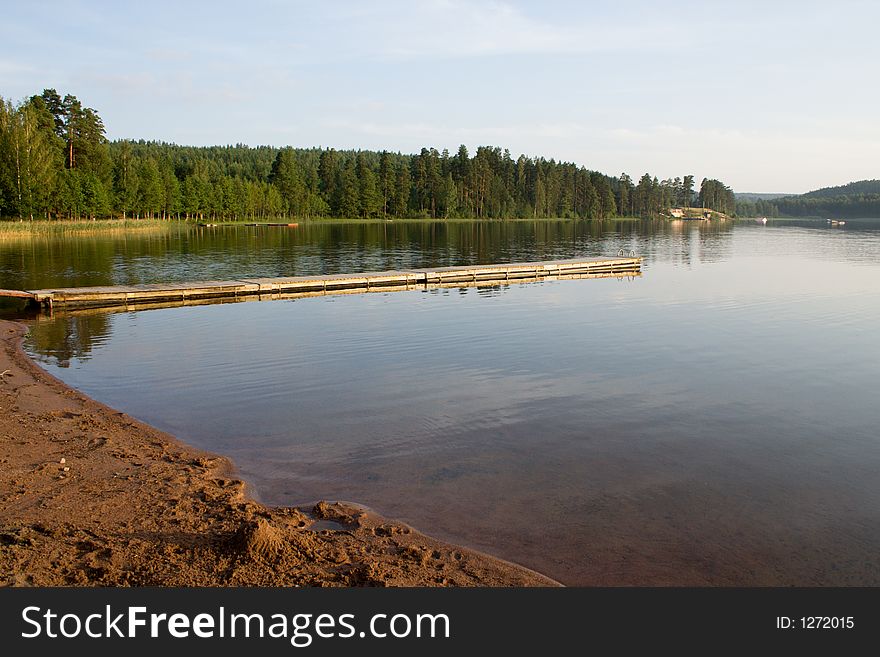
[[771, 96]]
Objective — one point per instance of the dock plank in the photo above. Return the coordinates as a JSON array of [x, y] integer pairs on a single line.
[[19, 294], [128, 295]]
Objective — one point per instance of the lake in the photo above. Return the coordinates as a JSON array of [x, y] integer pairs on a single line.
[[711, 422]]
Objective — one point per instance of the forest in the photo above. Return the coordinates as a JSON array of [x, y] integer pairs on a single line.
[[57, 163], [855, 199]]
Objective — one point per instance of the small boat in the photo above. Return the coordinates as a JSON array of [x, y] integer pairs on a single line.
[[761, 220], [836, 222]]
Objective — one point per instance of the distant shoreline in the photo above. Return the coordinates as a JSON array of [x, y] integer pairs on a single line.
[[8, 224]]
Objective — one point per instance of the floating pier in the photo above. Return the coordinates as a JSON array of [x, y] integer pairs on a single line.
[[176, 293]]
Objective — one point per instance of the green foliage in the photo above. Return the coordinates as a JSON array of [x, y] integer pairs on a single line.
[[859, 188], [29, 160], [287, 176], [371, 202], [856, 199], [348, 201], [55, 161], [150, 195], [716, 195]]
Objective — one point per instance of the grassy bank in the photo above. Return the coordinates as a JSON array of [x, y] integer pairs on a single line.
[[15, 227], [46, 227]]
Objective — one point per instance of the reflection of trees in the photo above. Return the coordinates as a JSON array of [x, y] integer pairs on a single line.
[[715, 239], [30, 262], [188, 253], [335, 248], [61, 339], [684, 242]]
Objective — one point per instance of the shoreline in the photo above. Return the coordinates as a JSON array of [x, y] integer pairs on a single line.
[[90, 496], [11, 227]]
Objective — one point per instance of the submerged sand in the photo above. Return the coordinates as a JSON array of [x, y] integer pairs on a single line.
[[90, 496]]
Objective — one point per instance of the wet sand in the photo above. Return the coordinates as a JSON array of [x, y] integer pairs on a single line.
[[92, 497]]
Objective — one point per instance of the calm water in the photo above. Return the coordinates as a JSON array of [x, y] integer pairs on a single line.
[[182, 253], [714, 421]]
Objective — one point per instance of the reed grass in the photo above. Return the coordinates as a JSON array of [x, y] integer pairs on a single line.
[[44, 228]]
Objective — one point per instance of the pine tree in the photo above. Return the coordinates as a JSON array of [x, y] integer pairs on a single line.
[[607, 204], [328, 175], [402, 191], [287, 176], [170, 190], [125, 180], [386, 179], [54, 105], [349, 193], [625, 199], [150, 194], [687, 190], [370, 199]]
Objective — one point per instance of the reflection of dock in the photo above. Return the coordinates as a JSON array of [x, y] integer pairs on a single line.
[[269, 288]]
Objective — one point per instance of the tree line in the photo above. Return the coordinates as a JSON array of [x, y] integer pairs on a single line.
[[855, 199], [850, 206], [56, 162]]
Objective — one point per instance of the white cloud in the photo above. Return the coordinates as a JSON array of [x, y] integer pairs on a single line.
[[11, 67], [169, 55], [453, 29], [447, 135]]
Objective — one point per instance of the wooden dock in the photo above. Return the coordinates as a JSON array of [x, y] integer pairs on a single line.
[[176, 293]]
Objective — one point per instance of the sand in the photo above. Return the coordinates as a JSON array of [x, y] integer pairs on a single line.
[[90, 496]]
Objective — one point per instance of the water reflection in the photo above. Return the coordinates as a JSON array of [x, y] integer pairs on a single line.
[[712, 422], [67, 339], [186, 253]]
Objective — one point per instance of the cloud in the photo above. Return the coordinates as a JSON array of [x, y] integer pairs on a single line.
[[11, 67], [455, 29], [442, 134], [667, 136], [168, 55]]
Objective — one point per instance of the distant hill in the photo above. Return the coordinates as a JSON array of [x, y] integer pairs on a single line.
[[850, 189], [855, 199], [758, 196]]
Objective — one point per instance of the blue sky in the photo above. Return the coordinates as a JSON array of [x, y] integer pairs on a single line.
[[766, 96]]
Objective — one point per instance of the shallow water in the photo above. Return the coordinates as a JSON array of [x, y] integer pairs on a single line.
[[711, 422]]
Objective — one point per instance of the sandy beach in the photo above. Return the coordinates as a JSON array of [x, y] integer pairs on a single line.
[[90, 496]]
